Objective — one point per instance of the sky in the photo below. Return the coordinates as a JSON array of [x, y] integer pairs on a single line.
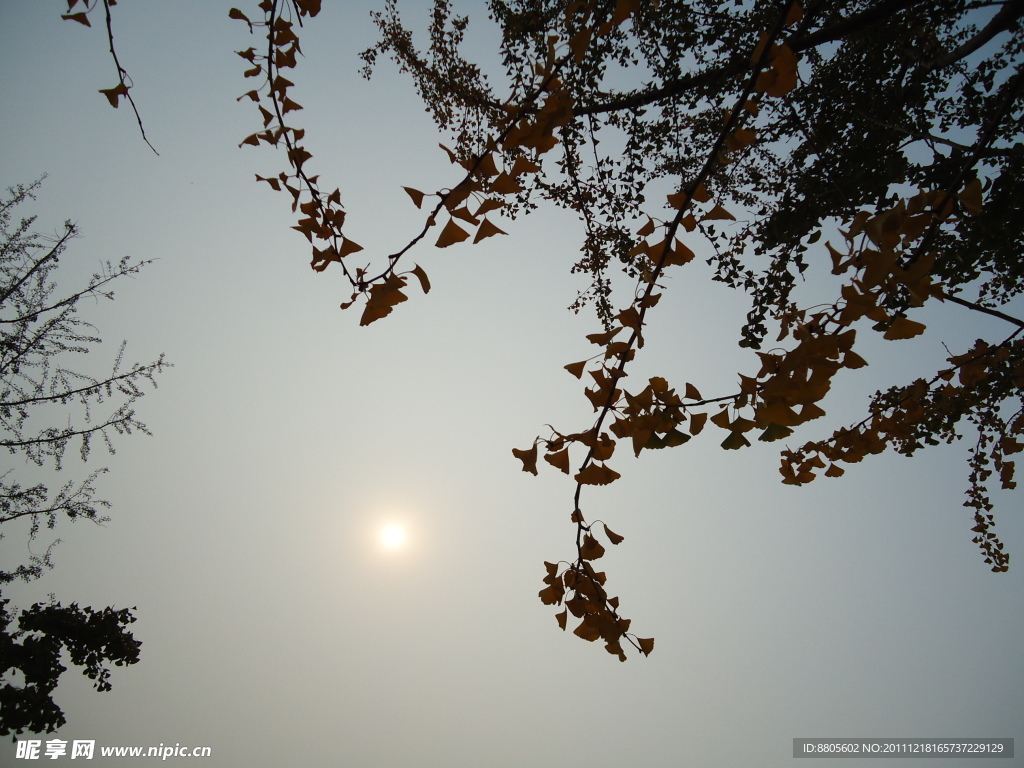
[[278, 631]]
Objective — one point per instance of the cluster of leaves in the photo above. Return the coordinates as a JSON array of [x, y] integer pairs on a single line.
[[92, 639], [897, 255], [557, 57], [736, 114]]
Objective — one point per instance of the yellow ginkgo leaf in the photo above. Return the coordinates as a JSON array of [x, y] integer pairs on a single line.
[[902, 328], [451, 234], [613, 537], [718, 212], [487, 229], [591, 548], [697, 421], [971, 197], [528, 457], [422, 277], [416, 195], [576, 369], [596, 474], [559, 459]]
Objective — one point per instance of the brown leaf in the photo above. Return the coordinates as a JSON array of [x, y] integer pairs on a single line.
[[81, 18], [596, 474], [697, 421], [559, 459], [528, 457], [422, 277], [591, 548], [613, 537], [451, 234], [718, 212], [351, 246], [113, 94], [416, 195], [902, 328], [576, 369], [487, 229]]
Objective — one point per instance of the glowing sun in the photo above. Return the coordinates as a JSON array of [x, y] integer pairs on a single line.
[[392, 536]]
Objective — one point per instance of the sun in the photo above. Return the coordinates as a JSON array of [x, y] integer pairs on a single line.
[[392, 536]]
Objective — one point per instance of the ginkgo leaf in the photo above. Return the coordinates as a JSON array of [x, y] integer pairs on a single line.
[[487, 229], [677, 200], [700, 194], [853, 360], [579, 44], [523, 165], [486, 166], [744, 137], [505, 185], [114, 94], [591, 548], [774, 432], [718, 212], [971, 197], [588, 629], [603, 338], [528, 457], [464, 214], [349, 246], [380, 305], [559, 459], [613, 537], [596, 474], [902, 328], [488, 205], [551, 594], [576, 369], [646, 645], [81, 18], [674, 438], [416, 195], [734, 441], [451, 234], [697, 421], [451, 155], [561, 618], [422, 277]]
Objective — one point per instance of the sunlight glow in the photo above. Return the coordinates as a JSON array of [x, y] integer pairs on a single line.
[[392, 536]]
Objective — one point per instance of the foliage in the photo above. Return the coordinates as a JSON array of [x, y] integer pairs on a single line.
[[47, 407], [881, 138], [91, 639]]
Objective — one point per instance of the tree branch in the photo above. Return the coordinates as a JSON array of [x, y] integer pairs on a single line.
[[1006, 20], [738, 64]]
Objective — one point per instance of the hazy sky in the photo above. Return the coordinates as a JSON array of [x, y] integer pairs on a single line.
[[275, 628]]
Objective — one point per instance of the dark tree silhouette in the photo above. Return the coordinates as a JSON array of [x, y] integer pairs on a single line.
[[48, 404]]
